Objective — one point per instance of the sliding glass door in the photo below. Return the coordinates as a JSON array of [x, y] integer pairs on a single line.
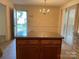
[[70, 25], [69, 22]]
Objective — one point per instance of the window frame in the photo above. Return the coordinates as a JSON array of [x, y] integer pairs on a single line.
[[15, 23]]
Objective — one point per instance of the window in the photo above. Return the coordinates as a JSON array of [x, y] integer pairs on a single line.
[[69, 22], [20, 24]]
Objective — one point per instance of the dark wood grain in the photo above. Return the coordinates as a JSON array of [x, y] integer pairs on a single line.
[[38, 48]]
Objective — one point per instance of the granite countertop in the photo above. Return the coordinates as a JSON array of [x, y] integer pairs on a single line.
[[44, 36]]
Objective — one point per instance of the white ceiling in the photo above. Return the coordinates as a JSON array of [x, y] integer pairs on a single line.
[[40, 2]]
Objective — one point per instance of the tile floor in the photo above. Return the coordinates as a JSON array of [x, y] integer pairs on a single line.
[[68, 52], [9, 51]]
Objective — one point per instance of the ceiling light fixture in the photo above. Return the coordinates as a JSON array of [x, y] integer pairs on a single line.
[[44, 10]]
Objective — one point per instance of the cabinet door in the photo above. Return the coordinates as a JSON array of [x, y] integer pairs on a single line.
[[50, 52], [28, 52]]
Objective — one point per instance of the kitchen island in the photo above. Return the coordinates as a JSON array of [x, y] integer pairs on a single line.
[[39, 47]]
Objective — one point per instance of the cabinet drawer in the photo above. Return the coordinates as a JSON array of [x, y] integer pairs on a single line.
[[37, 42], [27, 42], [55, 42], [22, 42]]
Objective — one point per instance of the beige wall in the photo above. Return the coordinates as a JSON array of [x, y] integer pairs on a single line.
[[7, 4], [2, 20], [40, 24], [4, 2]]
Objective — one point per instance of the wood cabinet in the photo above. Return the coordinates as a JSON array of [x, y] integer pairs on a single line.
[[27, 52], [38, 48]]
